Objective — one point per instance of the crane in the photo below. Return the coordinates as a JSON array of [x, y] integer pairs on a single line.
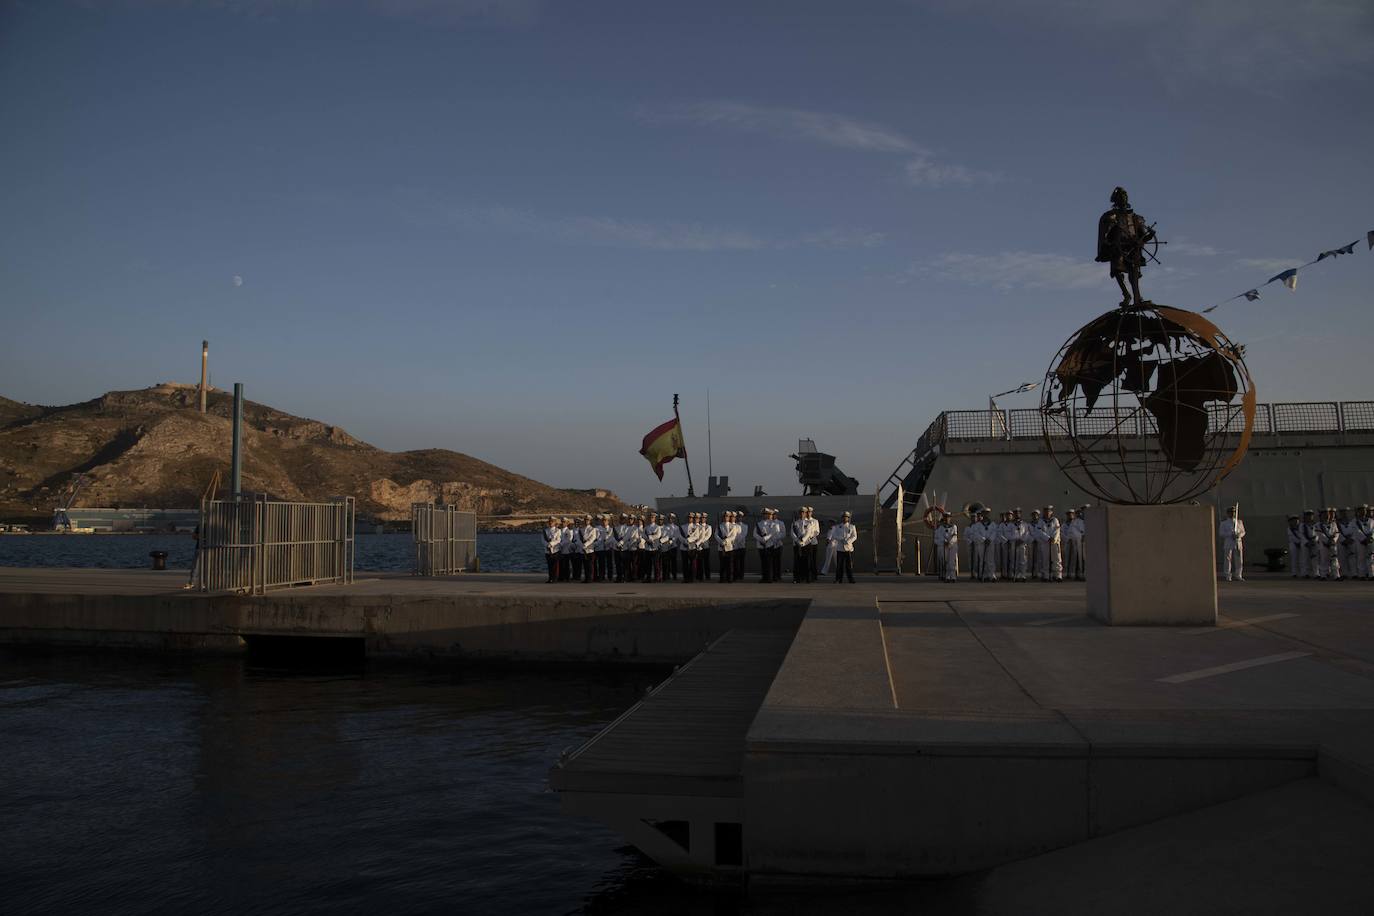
[[60, 520]]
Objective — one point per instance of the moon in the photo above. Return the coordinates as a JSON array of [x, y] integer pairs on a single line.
[[237, 281]]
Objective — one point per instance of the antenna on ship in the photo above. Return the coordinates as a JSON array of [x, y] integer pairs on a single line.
[[204, 370], [710, 468]]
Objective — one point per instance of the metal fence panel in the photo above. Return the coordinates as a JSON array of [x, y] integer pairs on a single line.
[[256, 544], [1358, 416], [445, 539], [1314, 417]]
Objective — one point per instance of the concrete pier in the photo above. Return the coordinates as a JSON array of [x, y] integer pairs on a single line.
[[897, 728]]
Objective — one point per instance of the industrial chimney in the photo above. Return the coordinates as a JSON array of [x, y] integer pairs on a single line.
[[204, 367]]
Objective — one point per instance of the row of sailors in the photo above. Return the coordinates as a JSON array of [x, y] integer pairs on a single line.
[[1013, 548], [647, 548], [1336, 546]]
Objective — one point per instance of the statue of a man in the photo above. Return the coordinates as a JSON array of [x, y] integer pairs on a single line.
[[1121, 237]]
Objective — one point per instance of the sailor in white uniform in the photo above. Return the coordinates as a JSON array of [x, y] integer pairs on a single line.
[[843, 536], [725, 541], [1350, 563], [1232, 534], [976, 537], [587, 541], [605, 549], [553, 545], [1328, 534], [947, 548], [1073, 544], [1019, 537], [1053, 559], [1364, 543], [568, 548]]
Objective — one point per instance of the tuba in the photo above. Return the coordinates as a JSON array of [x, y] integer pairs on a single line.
[[972, 510]]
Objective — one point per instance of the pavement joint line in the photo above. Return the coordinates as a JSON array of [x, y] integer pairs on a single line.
[[1063, 618], [993, 655], [887, 661], [1237, 622], [1233, 666]]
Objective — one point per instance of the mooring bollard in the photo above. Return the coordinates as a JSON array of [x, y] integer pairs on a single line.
[[159, 559]]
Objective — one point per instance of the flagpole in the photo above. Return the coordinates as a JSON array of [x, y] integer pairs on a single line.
[[678, 417]]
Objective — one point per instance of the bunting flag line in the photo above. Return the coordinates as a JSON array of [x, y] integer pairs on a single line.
[[1289, 277]]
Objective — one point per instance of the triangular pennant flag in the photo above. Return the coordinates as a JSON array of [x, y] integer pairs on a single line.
[[1291, 280], [1370, 238], [1251, 294], [1334, 252]]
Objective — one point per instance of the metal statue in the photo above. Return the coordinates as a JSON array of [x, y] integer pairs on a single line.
[[1126, 243]]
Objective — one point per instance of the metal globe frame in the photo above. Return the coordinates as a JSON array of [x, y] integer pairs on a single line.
[[1114, 435]]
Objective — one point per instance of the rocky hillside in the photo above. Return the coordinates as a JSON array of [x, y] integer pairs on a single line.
[[154, 448]]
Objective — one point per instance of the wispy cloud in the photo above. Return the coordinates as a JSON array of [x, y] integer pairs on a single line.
[[923, 169], [816, 126], [1270, 263], [646, 235], [1188, 248], [924, 172], [1007, 270]]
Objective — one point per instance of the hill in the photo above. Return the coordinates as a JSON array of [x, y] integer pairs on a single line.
[[153, 448]]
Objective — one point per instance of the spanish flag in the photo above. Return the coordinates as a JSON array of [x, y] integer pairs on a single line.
[[664, 444]]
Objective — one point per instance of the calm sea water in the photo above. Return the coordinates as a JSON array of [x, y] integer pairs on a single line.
[[499, 552], [138, 784]]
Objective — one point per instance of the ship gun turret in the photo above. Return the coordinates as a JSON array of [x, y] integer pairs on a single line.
[[818, 474]]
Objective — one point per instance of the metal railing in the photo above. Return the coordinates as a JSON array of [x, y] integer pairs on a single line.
[[255, 544], [445, 539], [1278, 418]]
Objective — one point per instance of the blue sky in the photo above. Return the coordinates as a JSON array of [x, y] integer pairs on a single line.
[[517, 228]]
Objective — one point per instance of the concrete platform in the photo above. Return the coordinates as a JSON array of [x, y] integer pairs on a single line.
[[897, 728]]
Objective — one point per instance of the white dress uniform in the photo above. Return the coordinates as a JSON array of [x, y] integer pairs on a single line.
[[1020, 539], [1073, 535], [1350, 562], [1364, 547], [1052, 561], [976, 536], [1232, 532], [843, 535], [1328, 550], [947, 544]]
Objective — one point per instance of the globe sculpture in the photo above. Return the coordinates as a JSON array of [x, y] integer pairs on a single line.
[[1148, 405]]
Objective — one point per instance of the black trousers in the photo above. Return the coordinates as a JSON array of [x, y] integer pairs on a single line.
[[774, 557], [737, 556], [689, 563], [618, 561], [704, 570], [669, 563], [765, 565], [798, 573], [727, 564], [809, 561], [576, 566], [844, 565], [603, 566], [552, 560]]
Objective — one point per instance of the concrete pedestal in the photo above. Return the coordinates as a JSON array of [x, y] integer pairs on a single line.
[[1152, 565]]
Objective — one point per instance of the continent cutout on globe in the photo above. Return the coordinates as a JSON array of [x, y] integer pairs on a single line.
[[1179, 404], [1173, 372]]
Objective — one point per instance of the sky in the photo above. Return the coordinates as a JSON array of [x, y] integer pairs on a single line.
[[515, 228]]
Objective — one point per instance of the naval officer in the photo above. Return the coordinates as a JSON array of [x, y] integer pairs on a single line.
[[1073, 544], [553, 542], [1232, 533], [843, 536]]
